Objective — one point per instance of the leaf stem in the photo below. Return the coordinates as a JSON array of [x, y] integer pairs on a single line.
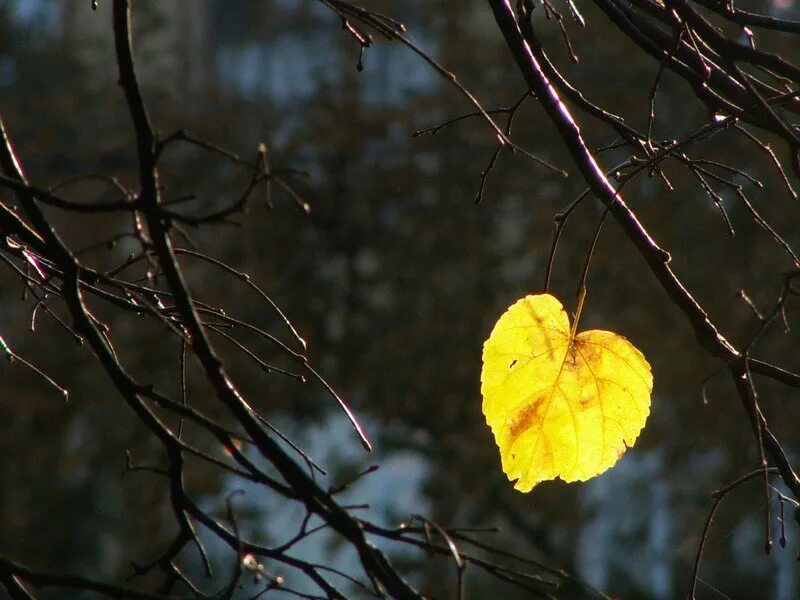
[[578, 311]]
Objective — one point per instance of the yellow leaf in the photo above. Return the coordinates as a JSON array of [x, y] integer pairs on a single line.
[[560, 404]]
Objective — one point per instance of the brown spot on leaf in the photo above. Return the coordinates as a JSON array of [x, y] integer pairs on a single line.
[[571, 359], [588, 352], [526, 417]]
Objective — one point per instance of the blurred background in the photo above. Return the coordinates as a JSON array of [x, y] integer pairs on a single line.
[[395, 279]]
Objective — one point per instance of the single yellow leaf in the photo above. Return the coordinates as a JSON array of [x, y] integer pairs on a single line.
[[560, 404]]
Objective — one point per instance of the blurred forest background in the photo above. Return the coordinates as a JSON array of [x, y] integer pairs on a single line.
[[395, 278]]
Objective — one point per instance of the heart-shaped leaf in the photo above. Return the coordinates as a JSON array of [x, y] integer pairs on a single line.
[[560, 404]]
